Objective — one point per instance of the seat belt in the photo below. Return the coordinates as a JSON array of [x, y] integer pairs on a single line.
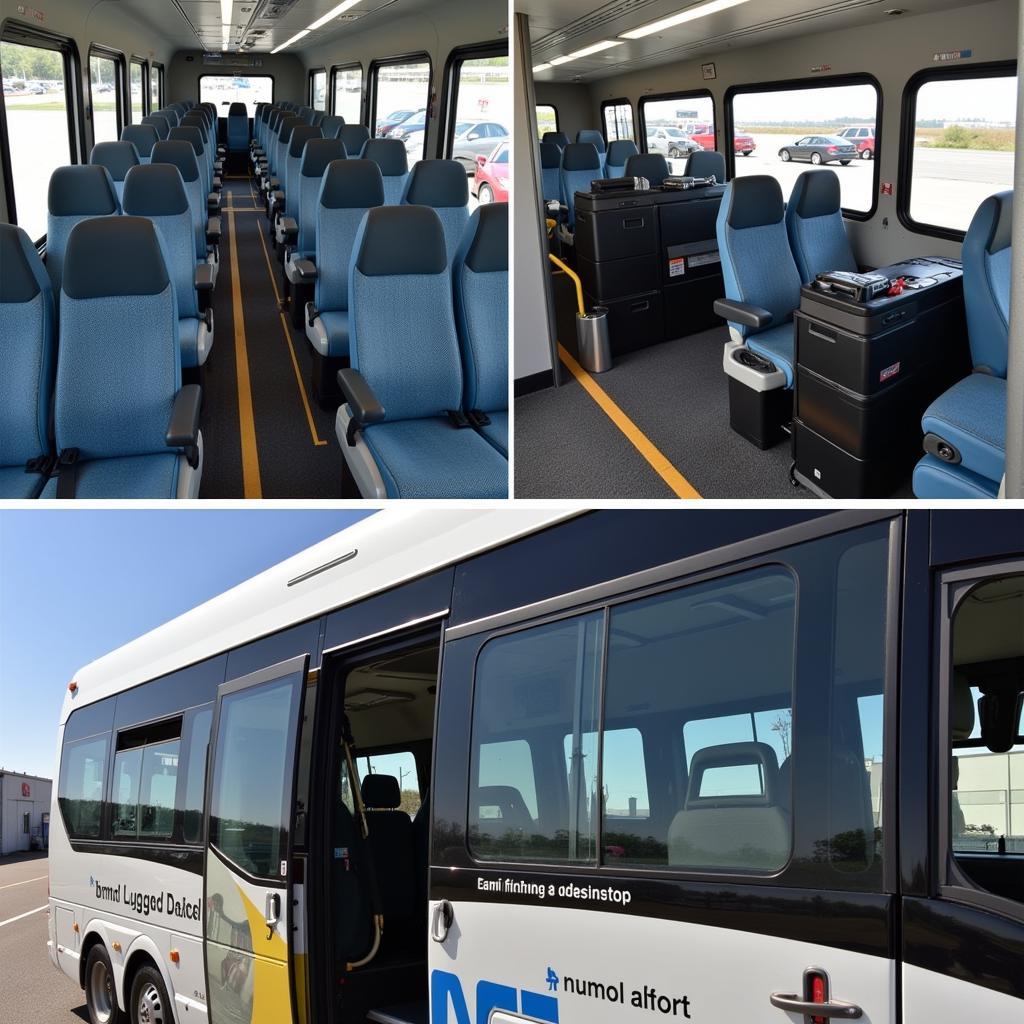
[[67, 473]]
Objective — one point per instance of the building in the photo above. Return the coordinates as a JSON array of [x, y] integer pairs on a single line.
[[24, 812]]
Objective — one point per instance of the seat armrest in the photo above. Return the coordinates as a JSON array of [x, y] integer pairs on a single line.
[[183, 430], [306, 269], [204, 285], [213, 203], [743, 313], [217, 184], [213, 231], [290, 230], [278, 197], [365, 405]]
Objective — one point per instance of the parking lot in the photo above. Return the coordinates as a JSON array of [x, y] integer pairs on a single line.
[[31, 988]]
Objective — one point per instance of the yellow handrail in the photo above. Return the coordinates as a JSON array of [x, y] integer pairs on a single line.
[[579, 287]]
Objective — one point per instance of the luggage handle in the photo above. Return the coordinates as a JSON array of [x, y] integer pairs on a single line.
[[822, 335], [632, 223], [640, 307]]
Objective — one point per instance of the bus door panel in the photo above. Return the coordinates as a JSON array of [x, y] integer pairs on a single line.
[[248, 905]]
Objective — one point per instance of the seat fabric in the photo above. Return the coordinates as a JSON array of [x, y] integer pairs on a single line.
[[559, 139], [986, 258], [618, 156], [652, 166], [581, 164], [442, 185], [355, 136], [182, 155], [143, 137], [496, 432], [971, 416], [334, 334], [550, 171], [705, 163], [390, 156], [238, 128], [16, 484], [814, 223], [137, 476], [934, 478]]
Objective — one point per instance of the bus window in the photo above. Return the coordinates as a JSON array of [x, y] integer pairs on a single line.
[[135, 70], [197, 733], [318, 90], [348, 93], [157, 787], [963, 147], [156, 79], [402, 765], [401, 92], [547, 119], [80, 788], [104, 89], [625, 774], [677, 125], [782, 132], [38, 129], [223, 90], [125, 800], [618, 120], [483, 109]]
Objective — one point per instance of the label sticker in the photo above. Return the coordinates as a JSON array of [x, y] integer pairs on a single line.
[[889, 371], [942, 58], [819, 68], [704, 258], [677, 266], [886, 188], [708, 71]]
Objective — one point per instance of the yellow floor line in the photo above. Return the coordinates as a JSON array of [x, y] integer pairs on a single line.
[[252, 487], [679, 485]]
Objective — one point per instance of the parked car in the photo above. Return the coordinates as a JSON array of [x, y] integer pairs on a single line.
[[475, 138], [490, 183], [414, 123], [820, 149], [742, 142], [388, 124], [863, 137], [672, 142]]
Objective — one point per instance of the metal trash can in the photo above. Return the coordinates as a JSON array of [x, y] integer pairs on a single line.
[[595, 346]]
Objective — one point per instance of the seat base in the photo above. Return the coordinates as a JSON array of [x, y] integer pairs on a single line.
[[971, 416], [935, 479]]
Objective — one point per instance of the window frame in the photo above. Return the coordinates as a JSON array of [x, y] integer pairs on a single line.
[[309, 87], [450, 87], [13, 31], [641, 143], [155, 65], [157, 725], [144, 65], [120, 87], [332, 85], [372, 89], [908, 116], [108, 767], [221, 74], [622, 101], [799, 85], [536, 126]]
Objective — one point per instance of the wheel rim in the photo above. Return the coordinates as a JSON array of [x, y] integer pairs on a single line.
[[485, 195], [101, 992], [815, 158], [149, 1008], [785, 155]]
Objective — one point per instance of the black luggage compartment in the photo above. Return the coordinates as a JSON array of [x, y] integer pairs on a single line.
[[614, 279], [615, 226], [836, 472], [633, 322]]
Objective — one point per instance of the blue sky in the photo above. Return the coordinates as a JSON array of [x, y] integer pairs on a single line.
[[75, 584]]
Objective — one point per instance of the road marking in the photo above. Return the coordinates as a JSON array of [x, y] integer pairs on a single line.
[[680, 486], [251, 485], [38, 878], [28, 913]]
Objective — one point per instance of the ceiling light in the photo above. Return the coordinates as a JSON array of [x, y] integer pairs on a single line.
[[605, 44], [298, 35], [541, 67], [690, 14], [225, 13], [225, 37], [331, 15]]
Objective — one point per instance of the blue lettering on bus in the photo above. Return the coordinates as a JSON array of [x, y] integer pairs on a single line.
[[448, 1001]]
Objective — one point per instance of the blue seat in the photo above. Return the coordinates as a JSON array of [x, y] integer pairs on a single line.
[[180, 108], [965, 428], [442, 185], [200, 119], [350, 188], [550, 172], [652, 166], [480, 282], [331, 125], [300, 232], [355, 136], [259, 123], [262, 159], [597, 140], [279, 162], [75, 194], [28, 343], [171, 115], [758, 267], [559, 139], [158, 123], [125, 428], [618, 156], [705, 163], [581, 164], [814, 222], [194, 137], [390, 156], [211, 110], [238, 128], [406, 370], [158, 192], [118, 158], [286, 199], [306, 114], [318, 118], [206, 230], [143, 137]]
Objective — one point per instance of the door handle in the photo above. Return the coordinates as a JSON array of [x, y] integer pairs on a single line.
[[272, 912], [797, 1004], [441, 921]]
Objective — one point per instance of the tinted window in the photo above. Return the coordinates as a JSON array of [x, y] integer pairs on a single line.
[[198, 738], [402, 90], [618, 121], [348, 93], [104, 73], [318, 90], [125, 793], [135, 91], [156, 74], [157, 789], [693, 116], [80, 789], [402, 766], [483, 90]]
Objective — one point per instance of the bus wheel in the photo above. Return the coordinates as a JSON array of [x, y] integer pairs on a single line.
[[149, 1001], [100, 997]]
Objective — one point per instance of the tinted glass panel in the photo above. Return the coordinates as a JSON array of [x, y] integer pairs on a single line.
[[678, 126], [156, 74], [348, 94], [223, 90], [125, 793], [547, 119], [157, 789], [103, 84], [135, 91], [483, 109], [198, 732], [80, 790]]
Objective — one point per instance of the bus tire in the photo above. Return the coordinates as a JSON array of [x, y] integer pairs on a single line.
[[100, 992], [149, 1003]]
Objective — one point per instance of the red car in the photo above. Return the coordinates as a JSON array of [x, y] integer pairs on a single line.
[[741, 143], [490, 183], [863, 137]]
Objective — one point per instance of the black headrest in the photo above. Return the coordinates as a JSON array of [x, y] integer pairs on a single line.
[[142, 136], [81, 189], [731, 755], [318, 154], [381, 792], [265, 109], [287, 126], [816, 194], [238, 110], [179, 153], [402, 240], [117, 157], [198, 122], [559, 139], [154, 190], [488, 252], [753, 201], [189, 134], [160, 124], [300, 136], [593, 136], [581, 156], [550, 155], [331, 125], [706, 162], [389, 155], [96, 246], [620, 151], [997, 210], [652, 166], [351, 184], [18, 283], [354, 136], [438, 183]]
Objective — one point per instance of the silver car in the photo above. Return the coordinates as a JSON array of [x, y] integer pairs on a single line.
[[475, 138]]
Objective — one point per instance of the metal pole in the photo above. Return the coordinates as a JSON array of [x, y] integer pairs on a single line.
[[1015, 368]]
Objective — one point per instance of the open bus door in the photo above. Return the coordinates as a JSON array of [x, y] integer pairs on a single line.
[[248, 906]]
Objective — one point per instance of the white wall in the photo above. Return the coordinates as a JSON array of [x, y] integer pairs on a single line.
[[13, 805]]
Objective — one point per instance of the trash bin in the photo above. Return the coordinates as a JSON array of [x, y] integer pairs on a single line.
[[595, 346], [760, 406]]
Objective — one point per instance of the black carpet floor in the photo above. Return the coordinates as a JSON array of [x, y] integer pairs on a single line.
[[290, 450]]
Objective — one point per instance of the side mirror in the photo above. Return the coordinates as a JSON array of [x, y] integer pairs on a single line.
[[481, 159], [472, 136]]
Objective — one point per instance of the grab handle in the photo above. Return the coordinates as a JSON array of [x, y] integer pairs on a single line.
[[575, 277]]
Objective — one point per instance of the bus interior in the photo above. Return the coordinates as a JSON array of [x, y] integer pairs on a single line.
[[774, 240], [254, 249]]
